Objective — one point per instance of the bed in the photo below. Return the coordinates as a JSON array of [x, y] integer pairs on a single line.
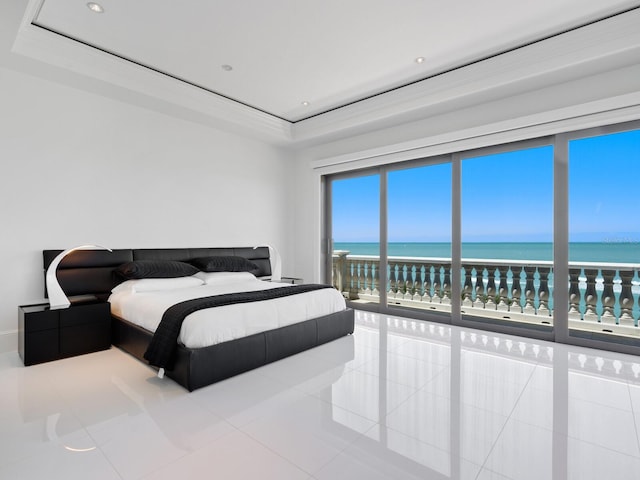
[[252, 335]]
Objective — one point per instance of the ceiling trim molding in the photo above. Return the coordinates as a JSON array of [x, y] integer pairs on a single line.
[[572, 50], [60, 51], [619, 109]]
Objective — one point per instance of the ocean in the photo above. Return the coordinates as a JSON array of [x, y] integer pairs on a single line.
[[608, 252]]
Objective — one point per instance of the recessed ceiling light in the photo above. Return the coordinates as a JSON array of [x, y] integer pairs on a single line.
[[419, 59], [95, 7], [226, 68], [305, 104]]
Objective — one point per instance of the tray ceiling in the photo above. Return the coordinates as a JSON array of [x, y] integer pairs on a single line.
[[296, 59]]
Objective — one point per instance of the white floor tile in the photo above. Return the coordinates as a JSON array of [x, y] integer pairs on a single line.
[[366, 395], [309, 432], [61, 463], [489, 392], [246, 397], [586, 461], [607, 427], [602, 391], [396, 456], [523, 452], [234, 456], [404, 370]]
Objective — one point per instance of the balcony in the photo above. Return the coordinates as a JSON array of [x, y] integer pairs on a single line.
[[603, 297]]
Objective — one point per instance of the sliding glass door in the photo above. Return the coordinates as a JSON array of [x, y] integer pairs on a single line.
[[507, 236], [539, 237], [419, 237], [604, 236], [355, 233]]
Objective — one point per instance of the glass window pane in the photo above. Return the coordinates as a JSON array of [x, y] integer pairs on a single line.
[[507, 236], [419, 232], [604, 234], [356, 237]]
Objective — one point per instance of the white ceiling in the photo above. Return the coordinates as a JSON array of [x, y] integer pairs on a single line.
[[329, 53]]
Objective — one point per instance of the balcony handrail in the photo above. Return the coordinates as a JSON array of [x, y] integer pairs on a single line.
[[502, 261]]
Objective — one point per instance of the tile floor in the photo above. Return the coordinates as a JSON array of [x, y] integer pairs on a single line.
[[398, 399]]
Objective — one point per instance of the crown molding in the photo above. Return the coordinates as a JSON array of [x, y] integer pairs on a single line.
[[599, 113]]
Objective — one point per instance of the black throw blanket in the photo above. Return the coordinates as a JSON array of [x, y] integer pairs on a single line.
[[161, 350]]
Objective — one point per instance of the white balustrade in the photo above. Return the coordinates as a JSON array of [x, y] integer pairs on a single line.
[[602, 297]]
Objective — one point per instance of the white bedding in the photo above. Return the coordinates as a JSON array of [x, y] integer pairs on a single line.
[[220, 324]]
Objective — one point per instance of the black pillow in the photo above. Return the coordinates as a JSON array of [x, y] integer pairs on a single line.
[[225, 264], [155, 269]]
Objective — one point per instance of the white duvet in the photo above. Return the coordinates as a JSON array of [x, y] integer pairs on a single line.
[[145, 303]]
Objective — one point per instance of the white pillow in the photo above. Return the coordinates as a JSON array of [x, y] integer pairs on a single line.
[[220, 278], [155, 284]]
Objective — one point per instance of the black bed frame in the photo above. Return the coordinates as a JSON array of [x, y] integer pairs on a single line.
[[86, 274]]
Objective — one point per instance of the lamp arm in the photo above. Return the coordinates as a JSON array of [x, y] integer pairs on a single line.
[[57, 297]]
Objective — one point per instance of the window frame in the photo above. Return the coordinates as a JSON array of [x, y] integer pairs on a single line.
[[559, 331]]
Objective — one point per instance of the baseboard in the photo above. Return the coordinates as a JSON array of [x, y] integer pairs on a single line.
[[9, 341]]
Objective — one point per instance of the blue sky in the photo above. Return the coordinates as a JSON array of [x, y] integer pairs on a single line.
[[506, 197]]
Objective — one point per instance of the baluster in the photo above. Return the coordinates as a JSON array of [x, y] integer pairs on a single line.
[[349, 279], [406, 281], [402, 281], [413, 275], [427, 284], [375, 277], [393, 282], [574, 294], [357, 280], [446, 286], [516, 290], [367, 279], [626, 298], [491, 288], [543, 291], [608, 297], [591, 295], [467, 286], [419, 283], [437, 285], [479, 300], [415, 282], [529, 290], [503, 289]]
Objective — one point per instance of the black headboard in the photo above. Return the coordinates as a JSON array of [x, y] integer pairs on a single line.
[[91, 272]]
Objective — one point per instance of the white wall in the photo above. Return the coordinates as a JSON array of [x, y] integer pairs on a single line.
[[80, 164]]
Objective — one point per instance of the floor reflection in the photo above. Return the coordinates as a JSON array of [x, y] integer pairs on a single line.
[[399, 399], [456, 403]]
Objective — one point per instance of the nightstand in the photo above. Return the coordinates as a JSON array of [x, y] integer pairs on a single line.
[[45, 334]]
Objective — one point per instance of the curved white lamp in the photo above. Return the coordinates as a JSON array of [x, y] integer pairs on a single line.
[[276, 262], [57, 298]]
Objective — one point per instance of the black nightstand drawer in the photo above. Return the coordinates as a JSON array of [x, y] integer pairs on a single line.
[[85, 314], [85, 338], [45, 334], [39, 319], [41, 346]]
